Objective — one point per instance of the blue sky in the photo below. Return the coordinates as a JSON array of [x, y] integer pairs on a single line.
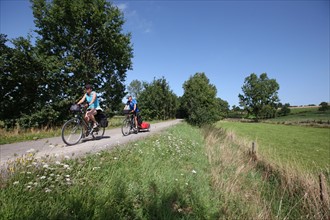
[[227, 40]]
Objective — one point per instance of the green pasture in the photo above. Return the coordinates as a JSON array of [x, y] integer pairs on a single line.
[[304, 115], [308, 147]]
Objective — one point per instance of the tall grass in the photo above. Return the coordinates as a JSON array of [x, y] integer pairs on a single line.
[[262, 189]]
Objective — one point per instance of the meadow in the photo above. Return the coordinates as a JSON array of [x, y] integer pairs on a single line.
[[183, 173], [304, 115], [307, 148]]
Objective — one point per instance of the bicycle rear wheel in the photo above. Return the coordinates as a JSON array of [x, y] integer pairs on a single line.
[[99, 133], [72, 131], [126, 127]]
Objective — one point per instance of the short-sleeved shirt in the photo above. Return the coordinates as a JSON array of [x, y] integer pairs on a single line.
[[131, 105], [95, 104]]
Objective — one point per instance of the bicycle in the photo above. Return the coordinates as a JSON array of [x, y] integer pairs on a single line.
[[77, 128], [128, 125]]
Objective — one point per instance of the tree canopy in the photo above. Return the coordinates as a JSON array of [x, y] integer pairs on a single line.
[[199, 101], [84, 40], [259, 96], [157, 100]]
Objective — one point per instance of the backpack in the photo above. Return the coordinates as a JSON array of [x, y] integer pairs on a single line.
[[101, 118], [139, 119]]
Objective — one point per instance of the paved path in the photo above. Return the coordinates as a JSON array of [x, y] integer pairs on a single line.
[[56, 147]]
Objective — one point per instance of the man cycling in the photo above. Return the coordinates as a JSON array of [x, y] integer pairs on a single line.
[[134, 109], [93, 104]]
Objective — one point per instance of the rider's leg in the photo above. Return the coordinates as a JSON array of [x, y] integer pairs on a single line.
[[136, 122], [91, 114]]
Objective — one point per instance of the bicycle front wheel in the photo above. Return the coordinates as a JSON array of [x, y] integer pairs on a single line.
[[126, 127], [72, 131]]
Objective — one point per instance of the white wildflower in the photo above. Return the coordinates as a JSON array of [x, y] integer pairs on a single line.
[[58, 162], [16, 182], [31, 150], [47, 190], [95, 168], [66, 166], [43, 177], [66, 157], [115, 158], [193, 171], [45, 166], [67, 179]]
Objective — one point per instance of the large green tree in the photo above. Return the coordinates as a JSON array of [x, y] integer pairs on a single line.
[[199, 101], [24, 83], [83, 42], [157, 100], [135, 88], [259, 96]]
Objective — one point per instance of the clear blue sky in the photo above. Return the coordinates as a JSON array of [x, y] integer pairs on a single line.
[[227, 40]]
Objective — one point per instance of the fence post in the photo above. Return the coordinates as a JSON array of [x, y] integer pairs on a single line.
[[253, 152]]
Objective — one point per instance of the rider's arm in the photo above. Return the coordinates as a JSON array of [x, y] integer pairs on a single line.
[[82, 99]]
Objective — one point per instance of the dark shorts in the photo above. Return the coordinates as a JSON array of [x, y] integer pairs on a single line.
[[135, 113]]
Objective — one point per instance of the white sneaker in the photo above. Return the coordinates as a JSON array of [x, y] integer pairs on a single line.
[[95, 125]]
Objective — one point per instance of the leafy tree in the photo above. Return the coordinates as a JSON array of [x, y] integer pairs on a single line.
[[199, 100], [324, 106], [260, 96], [157, 101], [82, 42], [135, 88], [24, 85], [223, 107]]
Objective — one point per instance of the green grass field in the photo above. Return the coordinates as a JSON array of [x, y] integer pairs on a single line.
[[307, 147], [304, 115]]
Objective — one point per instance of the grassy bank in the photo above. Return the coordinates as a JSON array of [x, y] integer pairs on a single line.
[[183, 173], [305, 147]]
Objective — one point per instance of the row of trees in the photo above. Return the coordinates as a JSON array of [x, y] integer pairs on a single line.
[[199, 104]]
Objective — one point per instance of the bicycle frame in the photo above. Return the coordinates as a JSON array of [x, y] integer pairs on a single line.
[[77, 128]]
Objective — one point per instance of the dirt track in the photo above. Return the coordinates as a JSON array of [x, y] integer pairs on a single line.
[[56, 147]]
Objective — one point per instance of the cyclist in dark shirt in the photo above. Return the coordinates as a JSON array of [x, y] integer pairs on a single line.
[[134, 109]]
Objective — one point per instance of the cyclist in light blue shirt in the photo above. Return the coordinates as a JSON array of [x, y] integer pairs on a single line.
[[93, 104]]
